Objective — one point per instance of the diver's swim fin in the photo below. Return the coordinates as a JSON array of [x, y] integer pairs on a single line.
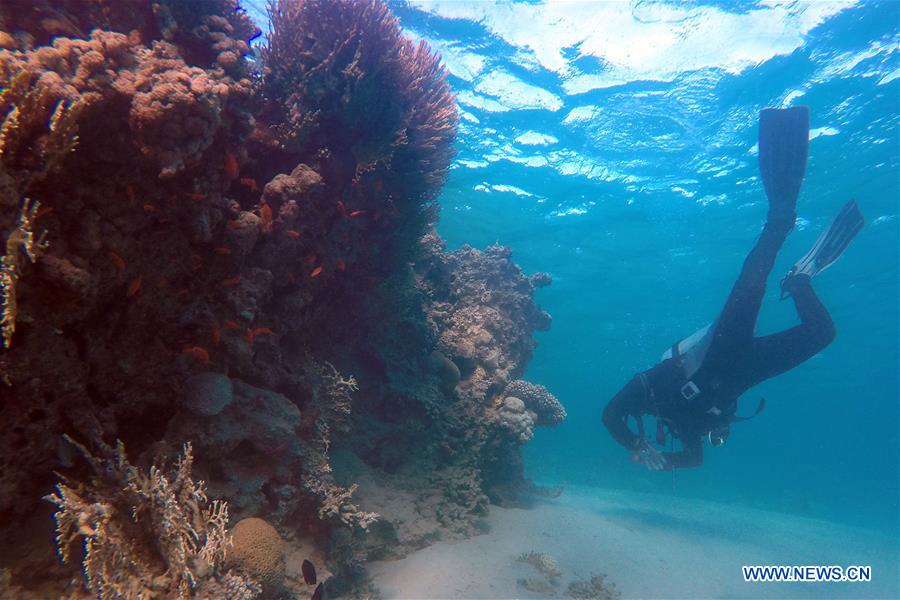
[[832, 243], [783, 149]]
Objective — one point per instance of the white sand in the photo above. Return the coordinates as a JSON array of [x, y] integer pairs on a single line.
[[649, 546]]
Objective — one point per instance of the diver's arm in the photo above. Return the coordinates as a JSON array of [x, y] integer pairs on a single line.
[[615, 415], [691, 454]]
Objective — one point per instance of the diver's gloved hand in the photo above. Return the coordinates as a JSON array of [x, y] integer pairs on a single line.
[[648, 456]]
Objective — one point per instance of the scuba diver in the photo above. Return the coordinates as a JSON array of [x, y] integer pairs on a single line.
[[693, 391]]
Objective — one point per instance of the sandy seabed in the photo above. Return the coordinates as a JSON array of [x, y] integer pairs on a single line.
[[649, 546]]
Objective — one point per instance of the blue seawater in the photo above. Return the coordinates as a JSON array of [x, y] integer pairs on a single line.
[[613, 145]]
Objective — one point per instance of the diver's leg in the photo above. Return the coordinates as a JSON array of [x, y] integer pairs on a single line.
[[783, 150], [737, 320], [780, 352]]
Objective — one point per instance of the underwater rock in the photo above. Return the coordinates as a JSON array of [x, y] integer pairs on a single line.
[[258, 552], [207, 394], [446, 369], [538, 586], [252, 443]]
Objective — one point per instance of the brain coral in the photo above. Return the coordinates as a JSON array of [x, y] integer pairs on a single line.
[[538, 399], [258, 552]]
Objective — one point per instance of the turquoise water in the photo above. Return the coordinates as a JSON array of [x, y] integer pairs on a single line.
[[613, 146], [633, 181]]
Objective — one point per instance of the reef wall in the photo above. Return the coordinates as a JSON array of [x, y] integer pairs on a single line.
[[202, 244]]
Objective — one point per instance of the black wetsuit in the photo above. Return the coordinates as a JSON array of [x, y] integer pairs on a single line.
[[735, 361]]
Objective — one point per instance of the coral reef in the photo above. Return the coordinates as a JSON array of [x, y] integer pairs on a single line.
[[219, 243], [144, 533], [330, 64]]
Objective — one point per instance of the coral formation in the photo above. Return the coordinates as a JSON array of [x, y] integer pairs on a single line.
[[545, 564], [144, 533], [539, 400], [518, 421], [342, 80], [21, 243], [220, 242], [258, 552]]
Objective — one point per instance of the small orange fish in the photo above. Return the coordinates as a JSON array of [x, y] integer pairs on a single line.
[[316, 272], [228, 324], [196, 262], [216, 335], [356, 213], [250, 183], [342, 210], [232, 168], [309, 260], [223, 250], [196, 196], [117, 261], [231, 281], [200, 354], [339, 265], [293, 234], [252, 333], [234, 224], [149, 208], [134, 286], [265, 218], [129, 191]]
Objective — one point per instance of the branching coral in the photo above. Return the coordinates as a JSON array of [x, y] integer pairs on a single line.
[[36, 132], [144, 534], [20, 243]]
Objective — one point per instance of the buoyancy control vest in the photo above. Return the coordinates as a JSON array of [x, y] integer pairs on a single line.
[[688, 355]]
